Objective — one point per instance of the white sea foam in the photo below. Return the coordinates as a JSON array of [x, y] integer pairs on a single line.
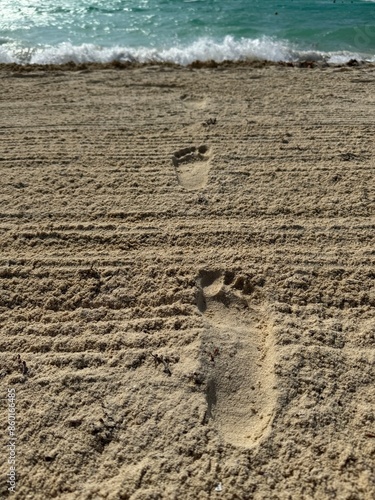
[[6, 55], [203, 49]]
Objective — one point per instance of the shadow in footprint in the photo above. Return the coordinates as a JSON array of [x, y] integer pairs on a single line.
[[211, 397], [192, 166], [240, 394], [211, 283]]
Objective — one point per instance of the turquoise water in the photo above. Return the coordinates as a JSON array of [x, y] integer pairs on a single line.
[[182, 31]]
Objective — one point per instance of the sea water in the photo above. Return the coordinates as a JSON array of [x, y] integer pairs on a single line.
[[183, 31]]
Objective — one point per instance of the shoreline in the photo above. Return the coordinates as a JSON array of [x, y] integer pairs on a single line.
[[252, 63]]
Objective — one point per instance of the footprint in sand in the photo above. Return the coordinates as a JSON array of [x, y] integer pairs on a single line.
[[238, 358], [194, 102], [192, 166]]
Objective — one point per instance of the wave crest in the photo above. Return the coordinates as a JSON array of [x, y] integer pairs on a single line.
[[203, 49]]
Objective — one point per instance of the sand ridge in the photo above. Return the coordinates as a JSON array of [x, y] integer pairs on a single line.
[[170, 239]]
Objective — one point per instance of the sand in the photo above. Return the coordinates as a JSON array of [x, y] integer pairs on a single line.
[[187, 273]]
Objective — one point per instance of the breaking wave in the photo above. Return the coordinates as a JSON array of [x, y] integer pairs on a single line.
[[203, 49]]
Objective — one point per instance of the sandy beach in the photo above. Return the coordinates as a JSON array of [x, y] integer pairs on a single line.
[[187, 282]]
